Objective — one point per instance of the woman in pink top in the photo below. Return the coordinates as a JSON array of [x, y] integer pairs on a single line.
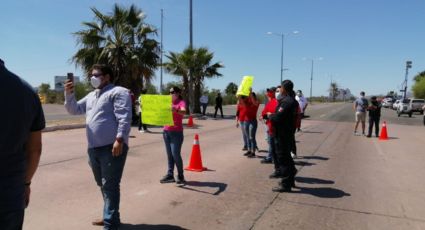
[[173, 138]]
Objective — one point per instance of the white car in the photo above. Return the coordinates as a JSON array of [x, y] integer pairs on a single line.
[[396, 104]]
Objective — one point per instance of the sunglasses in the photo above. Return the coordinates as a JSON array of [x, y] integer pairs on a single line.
[[96, 75]]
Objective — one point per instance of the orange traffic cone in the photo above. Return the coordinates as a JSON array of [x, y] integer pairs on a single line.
[[195, 163], [384, 134], [190, 122]]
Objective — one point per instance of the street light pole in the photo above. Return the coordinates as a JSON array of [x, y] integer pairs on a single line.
[[281, 60], [282, 36], [311, 81], [160, 84], [408, 66]]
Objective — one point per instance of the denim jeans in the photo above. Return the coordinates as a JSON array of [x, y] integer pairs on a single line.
[[11, 220], [173, 144], [251, 131], [244, 134], [107, 171], [270, 141]]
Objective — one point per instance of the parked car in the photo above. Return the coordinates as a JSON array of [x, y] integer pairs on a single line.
[[416, 105], [388, 102], [396, 104], [404, 108]]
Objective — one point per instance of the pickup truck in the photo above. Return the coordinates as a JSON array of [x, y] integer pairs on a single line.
[[416, 105]]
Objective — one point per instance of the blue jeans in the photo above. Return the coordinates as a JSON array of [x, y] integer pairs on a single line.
[[11, 220], [270, 141], [173, 144], [244, 134], [107, 171], [251, 131]]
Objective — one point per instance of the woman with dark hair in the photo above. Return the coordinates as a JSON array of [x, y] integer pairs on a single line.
[[173, 138], [251, 124]]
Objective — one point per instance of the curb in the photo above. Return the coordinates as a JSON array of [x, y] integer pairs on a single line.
[[63, 127]]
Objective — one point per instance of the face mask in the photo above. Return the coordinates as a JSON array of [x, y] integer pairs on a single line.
[[95, 82], [278, 96]]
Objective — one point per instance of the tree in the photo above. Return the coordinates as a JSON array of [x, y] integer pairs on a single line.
[[171, 84], [122, 41], [231, 89], [198, 62], [419, 76], [81, 89], [44, 89], [333, 89], [419, 89]]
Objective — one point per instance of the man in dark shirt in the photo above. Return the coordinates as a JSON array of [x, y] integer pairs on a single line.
[[20, 146], [283, 121], [374, 116], [218, 105]]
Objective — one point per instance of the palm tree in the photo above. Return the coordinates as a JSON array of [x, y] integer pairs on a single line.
[[197, 61], [121, 40], [333, 89]]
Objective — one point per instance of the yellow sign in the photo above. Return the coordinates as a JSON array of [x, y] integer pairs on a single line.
[[156, 110], [245, 86]]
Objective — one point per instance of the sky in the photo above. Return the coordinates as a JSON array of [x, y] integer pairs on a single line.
[[362, 45]]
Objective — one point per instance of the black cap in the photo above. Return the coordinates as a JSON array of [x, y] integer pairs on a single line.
[[288, 85], [271, 89]]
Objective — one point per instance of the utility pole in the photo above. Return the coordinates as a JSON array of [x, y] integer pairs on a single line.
[[161, 87], [190, 91], [311, 81], [408, 66]]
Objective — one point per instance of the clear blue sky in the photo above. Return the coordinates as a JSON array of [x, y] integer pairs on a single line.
[[364, 43]]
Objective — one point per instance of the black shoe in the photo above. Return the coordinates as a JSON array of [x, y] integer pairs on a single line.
[[266, 161], [275, 174], [282, 189], [252, 155], [167, 179], [247, 153], [181, 180], [244, 148], [369, 136]]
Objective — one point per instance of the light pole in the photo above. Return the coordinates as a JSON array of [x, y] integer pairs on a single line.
[[311, 76], [408, 66], [162, 35], [282, 35]]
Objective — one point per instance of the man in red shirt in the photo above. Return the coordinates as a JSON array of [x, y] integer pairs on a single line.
[[270, 107]]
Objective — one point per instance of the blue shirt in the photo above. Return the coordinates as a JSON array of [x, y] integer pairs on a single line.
[[21, 114], [108, 114]]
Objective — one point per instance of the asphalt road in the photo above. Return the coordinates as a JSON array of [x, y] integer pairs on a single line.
[[344, 181]]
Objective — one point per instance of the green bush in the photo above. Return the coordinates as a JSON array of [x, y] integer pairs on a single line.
[[419, 89]]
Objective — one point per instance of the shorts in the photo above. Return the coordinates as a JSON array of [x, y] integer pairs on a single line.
[[360, 116]]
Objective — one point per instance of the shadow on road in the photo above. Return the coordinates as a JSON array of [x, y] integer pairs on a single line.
[[314, 158], [304, 163], [150, 227], [220, 186], [324, 192], [310, 180]]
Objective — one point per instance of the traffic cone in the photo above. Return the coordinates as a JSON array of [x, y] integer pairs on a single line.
[[195, 163], [384, 134], [190, 122]]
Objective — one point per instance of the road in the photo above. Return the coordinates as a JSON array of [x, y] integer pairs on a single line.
[[344, 181]]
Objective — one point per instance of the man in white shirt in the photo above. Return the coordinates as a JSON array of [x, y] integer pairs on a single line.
[[204, 103], [302, 101]]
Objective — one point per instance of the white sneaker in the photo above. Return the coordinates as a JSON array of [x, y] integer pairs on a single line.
[[142, 131], [356, 134], [293, 155]]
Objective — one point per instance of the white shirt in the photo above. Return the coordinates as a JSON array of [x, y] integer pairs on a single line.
[[204, 99], [302, 101]]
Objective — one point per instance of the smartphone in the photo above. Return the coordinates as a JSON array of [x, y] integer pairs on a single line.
[[70, 77]]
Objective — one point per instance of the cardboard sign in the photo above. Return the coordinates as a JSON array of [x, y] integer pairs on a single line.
[[156, 110]]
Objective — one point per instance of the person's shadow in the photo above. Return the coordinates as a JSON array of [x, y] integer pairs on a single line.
[[150, 227], [220, 186], [304, 163], [324, 192], [315, 158]]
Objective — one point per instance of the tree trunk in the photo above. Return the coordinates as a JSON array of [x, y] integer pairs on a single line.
[[197, 95]]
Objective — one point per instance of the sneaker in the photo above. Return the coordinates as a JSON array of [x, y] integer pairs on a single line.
[[252, 155], [167, 179], [282, 188], [293, 155], [369, 136], [247, 153], [142, 131], [266, 161], [181, 180], [363, 134], [356, 134]]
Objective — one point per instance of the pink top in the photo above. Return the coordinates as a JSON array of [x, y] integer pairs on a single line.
[[178, 118]]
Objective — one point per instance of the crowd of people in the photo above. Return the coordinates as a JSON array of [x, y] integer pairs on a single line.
[[282, 118]]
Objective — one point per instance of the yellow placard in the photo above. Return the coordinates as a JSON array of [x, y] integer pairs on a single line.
[[156, 110], [245, 86]]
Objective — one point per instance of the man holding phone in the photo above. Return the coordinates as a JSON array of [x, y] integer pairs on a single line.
[[108, 120]]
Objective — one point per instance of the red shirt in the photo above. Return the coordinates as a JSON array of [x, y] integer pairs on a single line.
[[270, 107], [242, 112]]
